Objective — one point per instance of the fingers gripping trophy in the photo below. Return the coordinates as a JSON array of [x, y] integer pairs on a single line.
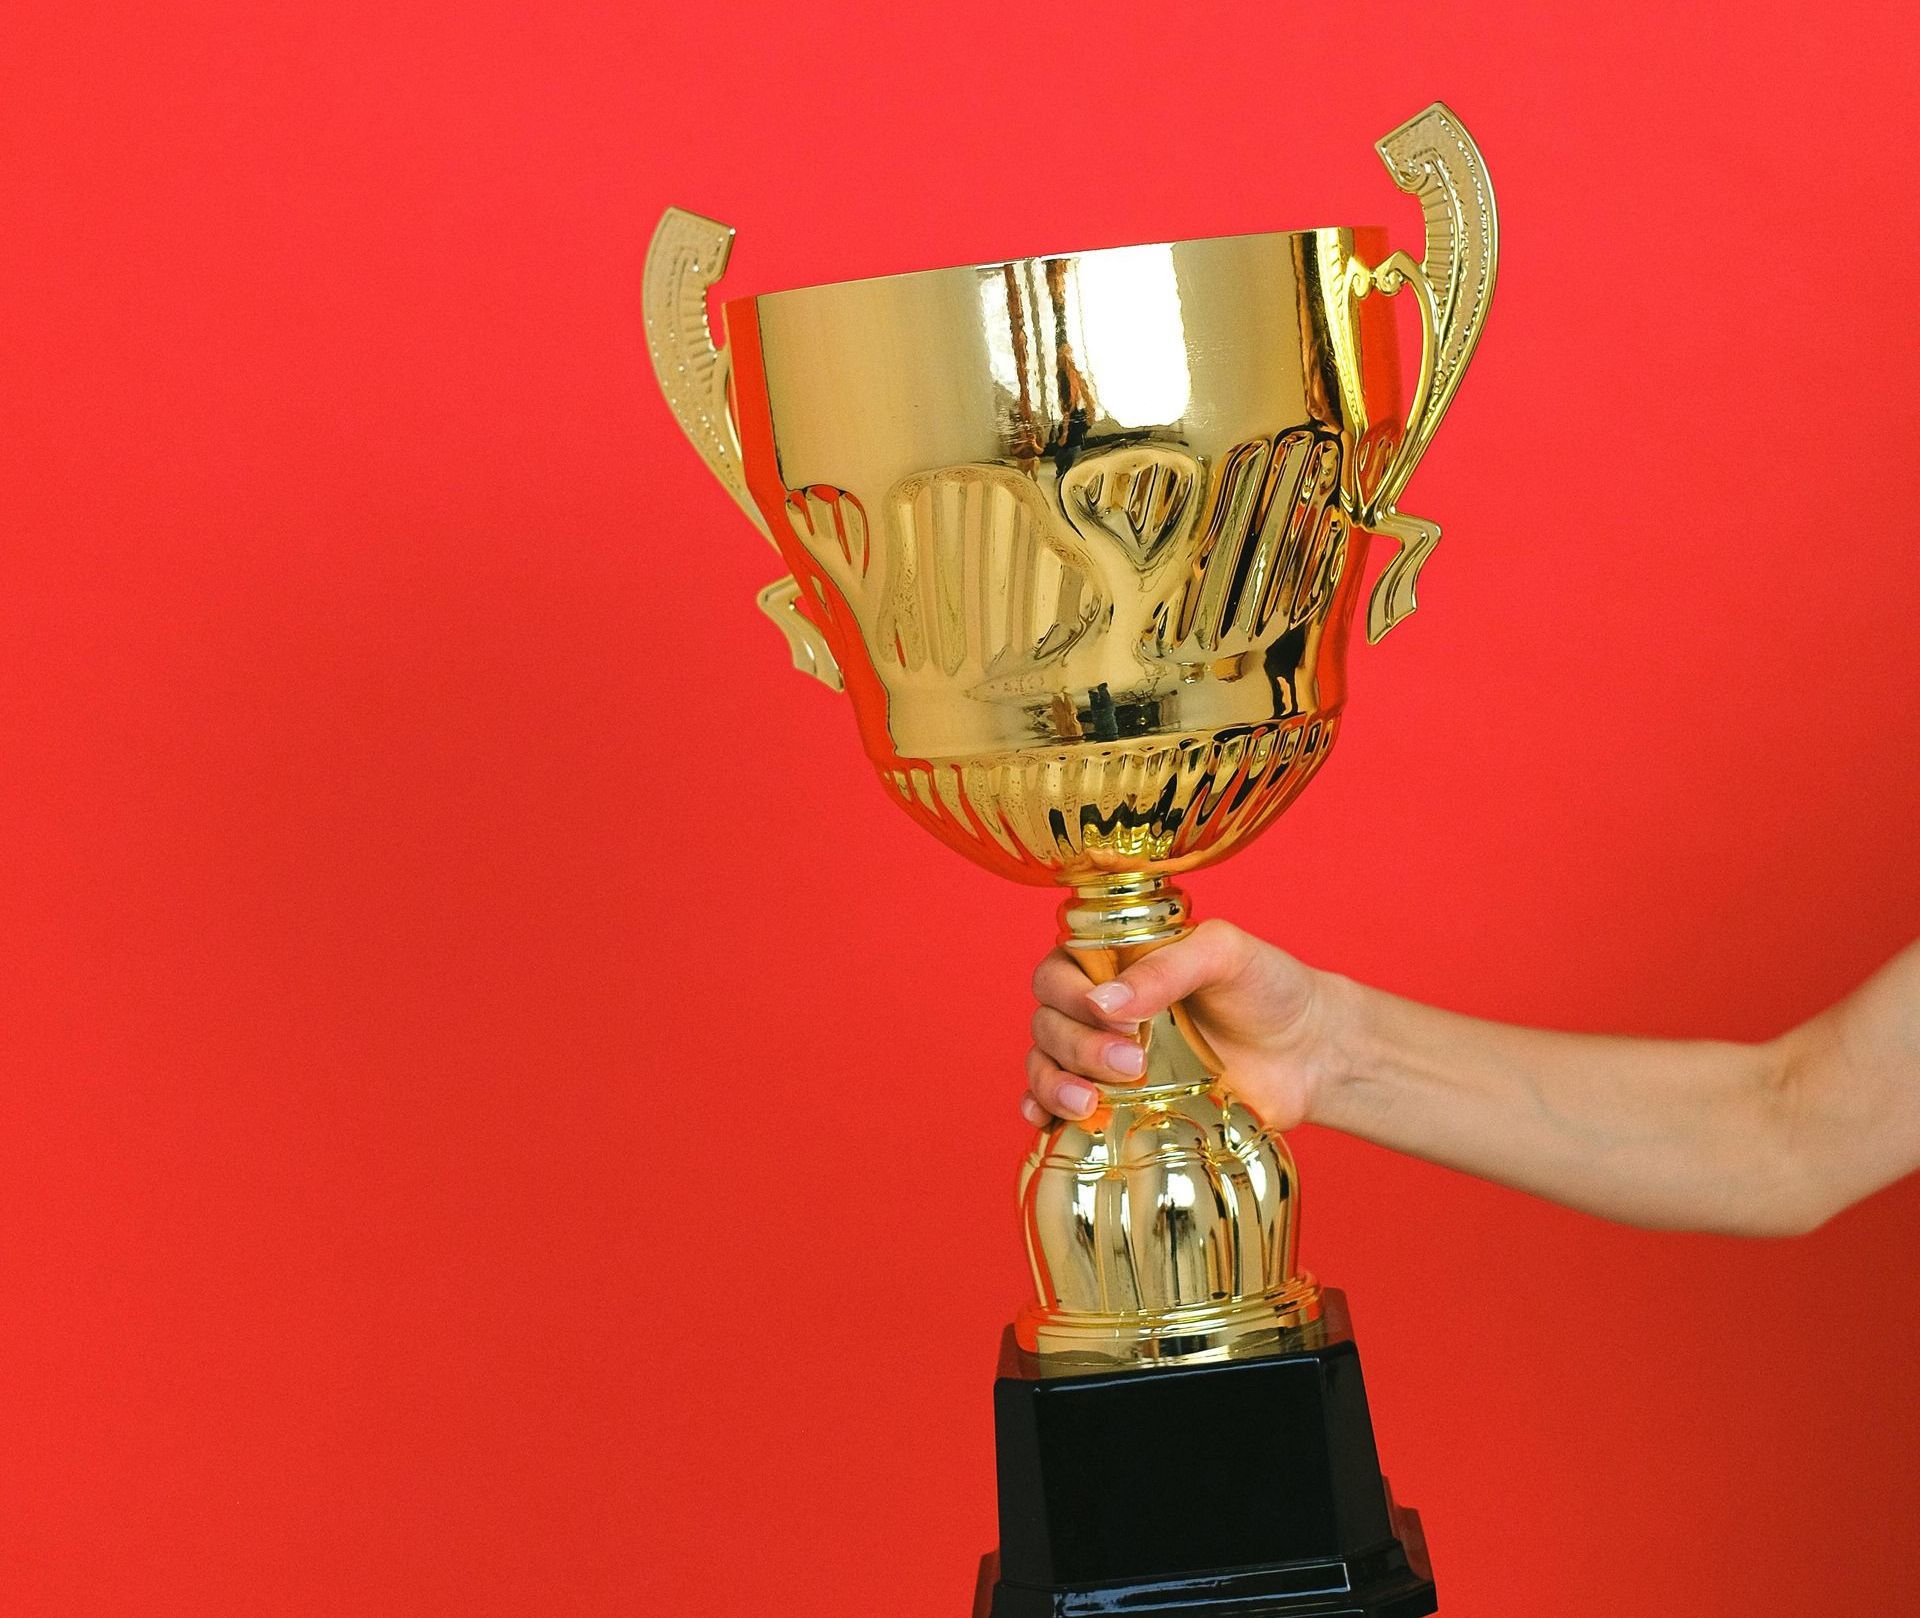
[[1081, 538]]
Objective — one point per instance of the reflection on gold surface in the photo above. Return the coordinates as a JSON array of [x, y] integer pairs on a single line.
[[1082, 537]]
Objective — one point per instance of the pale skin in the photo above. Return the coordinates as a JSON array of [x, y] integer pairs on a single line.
[[1768, 1139]]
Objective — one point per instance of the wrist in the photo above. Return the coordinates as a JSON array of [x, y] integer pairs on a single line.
[[1341, 1031]]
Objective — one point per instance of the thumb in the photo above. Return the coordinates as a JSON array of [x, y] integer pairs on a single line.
[[1214, 952]]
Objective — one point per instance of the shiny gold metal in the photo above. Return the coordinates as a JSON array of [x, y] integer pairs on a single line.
[[687, 255], [1083, 535], [1165, 1226], [1433, 158]]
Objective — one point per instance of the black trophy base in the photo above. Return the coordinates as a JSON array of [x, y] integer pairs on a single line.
[[1240, 1489]]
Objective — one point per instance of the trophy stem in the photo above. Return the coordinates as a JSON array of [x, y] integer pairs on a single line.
[[1130, 912], [1107, 925], [1163, 1227]]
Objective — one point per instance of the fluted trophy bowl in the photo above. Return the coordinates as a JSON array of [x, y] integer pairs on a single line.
[[1082, 537], [1073, 531]]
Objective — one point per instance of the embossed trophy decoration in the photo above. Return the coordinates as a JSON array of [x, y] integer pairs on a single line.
[[1081, 538]]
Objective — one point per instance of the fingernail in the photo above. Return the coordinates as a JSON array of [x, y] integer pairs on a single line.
[[1110, 997], [1123, 1056], [1030, 1110], [1078, 1098]]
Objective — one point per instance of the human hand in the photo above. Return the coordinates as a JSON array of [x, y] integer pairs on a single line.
[[1269, 1018]]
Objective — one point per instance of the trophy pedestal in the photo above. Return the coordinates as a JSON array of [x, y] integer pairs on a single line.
[[1245, 1488]]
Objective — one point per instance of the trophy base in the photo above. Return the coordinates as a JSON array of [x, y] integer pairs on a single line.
[[1243, 1488]]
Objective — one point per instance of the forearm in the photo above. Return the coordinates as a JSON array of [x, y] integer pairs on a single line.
[[1673, 1134], [1759, 1140]]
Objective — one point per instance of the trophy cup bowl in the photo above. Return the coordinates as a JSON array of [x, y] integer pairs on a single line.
[[1081, 537]]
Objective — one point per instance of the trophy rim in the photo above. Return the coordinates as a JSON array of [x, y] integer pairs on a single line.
[[1372, 235]]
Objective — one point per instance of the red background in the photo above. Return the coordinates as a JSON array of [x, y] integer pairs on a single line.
[[499, 1114]]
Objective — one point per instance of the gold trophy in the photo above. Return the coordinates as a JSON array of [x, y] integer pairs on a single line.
[[1081, 537]]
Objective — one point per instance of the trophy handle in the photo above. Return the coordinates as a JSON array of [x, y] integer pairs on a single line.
[[780, 601], [1433, 158], [687, 255]]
